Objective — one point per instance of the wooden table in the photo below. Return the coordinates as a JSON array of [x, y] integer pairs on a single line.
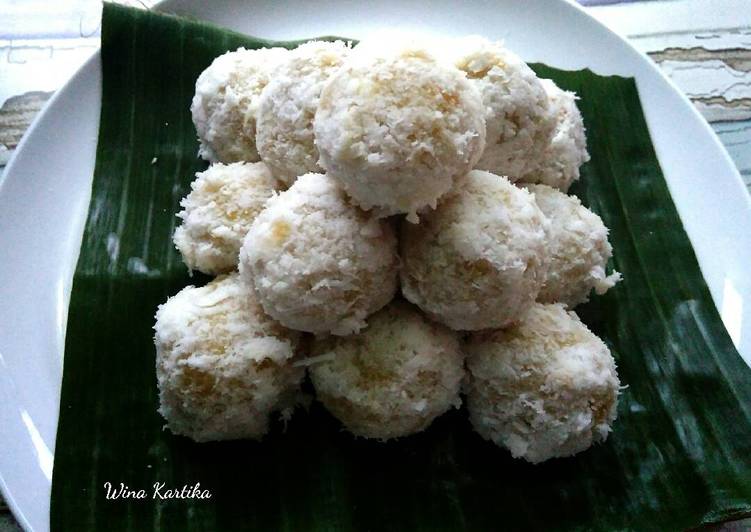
[[704, 46]]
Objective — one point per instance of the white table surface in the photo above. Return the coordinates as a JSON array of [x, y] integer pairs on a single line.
[[704, 46]]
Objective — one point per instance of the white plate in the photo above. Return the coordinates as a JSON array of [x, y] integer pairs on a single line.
[[44, 197]]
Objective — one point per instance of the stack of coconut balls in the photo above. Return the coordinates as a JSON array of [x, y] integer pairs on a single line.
[[394, 222]]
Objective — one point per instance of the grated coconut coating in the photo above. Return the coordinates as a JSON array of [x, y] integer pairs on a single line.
[[217, 214], [394, 378], [545, 388], [225, 102], [288, 104], [398, 128], [518, 116], [317, 263], [578, 247], [222, 365], [478, 261], [567, 150]]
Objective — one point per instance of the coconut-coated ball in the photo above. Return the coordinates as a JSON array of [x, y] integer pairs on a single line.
[[567, 150], [578, 247], [225, 102], [398, 128], [318, 263], [287, 105], [518, 117], [392, 379], [217, 214], [222, 365], [477, 261], [544, 388]]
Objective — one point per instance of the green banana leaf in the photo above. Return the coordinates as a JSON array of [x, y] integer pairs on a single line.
[[679, 452]]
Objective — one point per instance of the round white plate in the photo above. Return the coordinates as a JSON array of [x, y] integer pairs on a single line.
[[44, 196]]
